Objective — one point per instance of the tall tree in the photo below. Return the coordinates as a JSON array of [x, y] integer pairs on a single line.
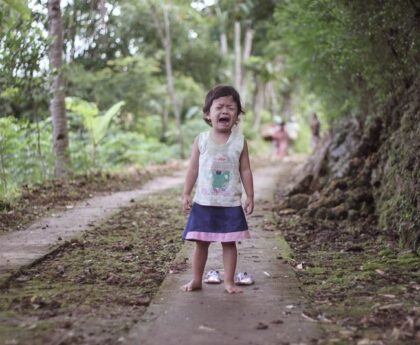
[[222, 26], [246, 22], [57, 106], [249, 35], [163, 28], [237, 67]]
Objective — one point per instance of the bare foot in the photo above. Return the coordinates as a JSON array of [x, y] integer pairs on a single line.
[[232, 288], [191, 286]]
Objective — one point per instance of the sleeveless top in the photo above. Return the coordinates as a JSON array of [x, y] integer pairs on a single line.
[[219, 181]]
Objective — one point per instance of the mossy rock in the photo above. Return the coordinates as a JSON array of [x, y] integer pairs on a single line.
[[298, 201]]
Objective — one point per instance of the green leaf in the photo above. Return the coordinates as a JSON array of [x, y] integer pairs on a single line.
[[20, 6], [103, 122], [194, 110]]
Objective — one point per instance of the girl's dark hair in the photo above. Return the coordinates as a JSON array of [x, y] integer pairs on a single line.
[[221, 91]]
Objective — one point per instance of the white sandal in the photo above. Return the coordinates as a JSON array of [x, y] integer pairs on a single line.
[[213, 277], [243, 278]]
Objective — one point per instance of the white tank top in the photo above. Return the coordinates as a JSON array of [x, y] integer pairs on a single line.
[[219, 180]]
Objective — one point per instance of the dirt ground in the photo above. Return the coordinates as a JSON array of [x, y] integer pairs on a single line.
[[54, 196], [92, 289], [362, 288]]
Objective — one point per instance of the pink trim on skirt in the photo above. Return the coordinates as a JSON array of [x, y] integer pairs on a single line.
[[218, 237]]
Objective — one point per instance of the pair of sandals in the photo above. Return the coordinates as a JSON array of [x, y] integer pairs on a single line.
[[241, 278]]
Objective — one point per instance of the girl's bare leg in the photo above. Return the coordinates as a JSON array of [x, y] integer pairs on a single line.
[[230, 255], [198, 264]]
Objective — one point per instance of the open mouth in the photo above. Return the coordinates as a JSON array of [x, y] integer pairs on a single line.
[[224, 119]]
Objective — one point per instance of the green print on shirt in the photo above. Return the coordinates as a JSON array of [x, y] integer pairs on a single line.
[[220, 179]]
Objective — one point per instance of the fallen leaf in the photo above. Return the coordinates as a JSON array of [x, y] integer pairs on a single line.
[[322, 318], [261, 325], [388, 295], [307, 317], [287, 211], [367, 341], [391, 306]]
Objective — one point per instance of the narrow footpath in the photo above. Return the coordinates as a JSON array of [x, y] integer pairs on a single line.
[[22, 248], [272, 311], [269, 312]]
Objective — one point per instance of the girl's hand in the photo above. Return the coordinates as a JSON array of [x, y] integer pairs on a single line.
[[187, 204], [249, 205]]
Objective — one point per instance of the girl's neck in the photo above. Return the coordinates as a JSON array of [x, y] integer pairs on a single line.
[[220, 137]]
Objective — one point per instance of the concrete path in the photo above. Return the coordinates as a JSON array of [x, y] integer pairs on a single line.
[[269, 312], [21, 248]]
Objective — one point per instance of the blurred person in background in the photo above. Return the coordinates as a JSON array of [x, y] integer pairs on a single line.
[[315, 130], [280, 140]]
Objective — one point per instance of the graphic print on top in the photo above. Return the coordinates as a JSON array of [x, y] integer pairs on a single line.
[[219, 182]]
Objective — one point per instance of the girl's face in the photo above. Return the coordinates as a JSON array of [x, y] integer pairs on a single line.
[[223, 114]]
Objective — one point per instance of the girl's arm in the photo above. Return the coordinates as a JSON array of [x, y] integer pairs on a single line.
[[191, 177], [247, 181]]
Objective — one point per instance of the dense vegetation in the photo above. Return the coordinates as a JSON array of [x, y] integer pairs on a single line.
[[351, 53], [136, 72]]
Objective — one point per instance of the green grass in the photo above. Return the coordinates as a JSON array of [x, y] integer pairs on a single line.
[[285, 250]]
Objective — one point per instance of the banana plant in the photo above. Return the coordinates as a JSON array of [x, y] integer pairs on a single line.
[[97, 124]]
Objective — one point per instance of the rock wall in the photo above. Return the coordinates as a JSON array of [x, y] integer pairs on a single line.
[[367, 170], [397, 175]]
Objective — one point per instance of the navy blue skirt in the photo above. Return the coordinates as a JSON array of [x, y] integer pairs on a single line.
[[216, 224]]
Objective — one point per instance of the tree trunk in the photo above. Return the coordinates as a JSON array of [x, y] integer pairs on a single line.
[[286, 106], [57, 107], [274, 103], [3, 173], [223, 44], [222, 19], [165, 36], [258, 103], [237, 71], [74, 32], [164, 118], [102, 12], [249, 35], [170, 79]]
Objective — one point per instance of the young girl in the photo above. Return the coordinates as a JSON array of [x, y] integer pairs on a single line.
[[219, 162]]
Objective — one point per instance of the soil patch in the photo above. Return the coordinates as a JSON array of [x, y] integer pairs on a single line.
[[363, 289], [94, 288], [54, 196]]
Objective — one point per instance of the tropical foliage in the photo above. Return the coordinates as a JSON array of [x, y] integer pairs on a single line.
[[350, 54], [288, 59]]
